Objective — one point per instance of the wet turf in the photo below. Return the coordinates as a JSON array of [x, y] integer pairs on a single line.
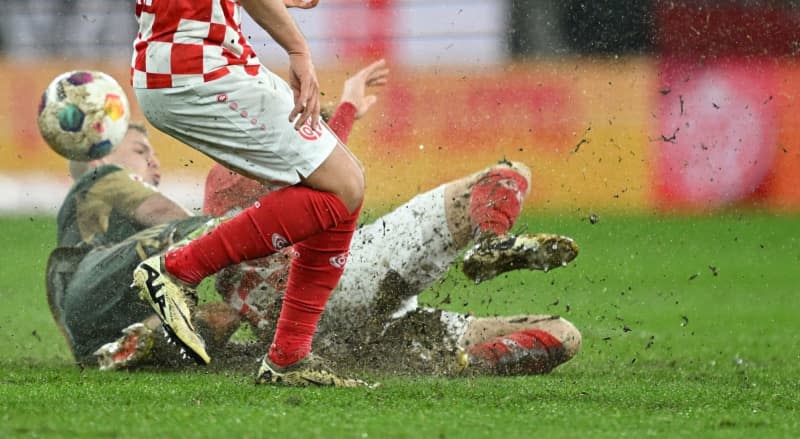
[[689, 324]]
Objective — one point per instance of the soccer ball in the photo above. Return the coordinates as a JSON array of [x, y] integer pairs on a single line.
[[83, 115]]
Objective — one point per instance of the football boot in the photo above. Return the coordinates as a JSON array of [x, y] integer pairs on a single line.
[[495, 255], [310, 371], [172, 300]]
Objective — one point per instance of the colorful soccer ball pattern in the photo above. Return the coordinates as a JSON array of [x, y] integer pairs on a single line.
[[83, 115]]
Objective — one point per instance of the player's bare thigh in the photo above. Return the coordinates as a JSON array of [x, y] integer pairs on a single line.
[[457, 194], [342, 174]]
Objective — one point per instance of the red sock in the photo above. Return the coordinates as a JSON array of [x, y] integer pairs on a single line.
[[276, 221], [496, 200], [315, 272], [525, 352]]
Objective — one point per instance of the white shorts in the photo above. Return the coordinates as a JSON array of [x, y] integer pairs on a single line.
[[242, 122], [413, 240]]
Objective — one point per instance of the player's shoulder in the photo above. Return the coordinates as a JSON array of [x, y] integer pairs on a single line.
[[98, 173]]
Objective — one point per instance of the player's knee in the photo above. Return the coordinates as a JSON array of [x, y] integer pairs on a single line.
[[342, 175], [351, 189]]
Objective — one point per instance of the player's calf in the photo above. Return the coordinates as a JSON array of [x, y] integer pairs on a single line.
[[487, 202]]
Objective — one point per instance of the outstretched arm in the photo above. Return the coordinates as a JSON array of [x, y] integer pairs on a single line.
[[355, 87], [133, 198], [159, 209], [355, 102]]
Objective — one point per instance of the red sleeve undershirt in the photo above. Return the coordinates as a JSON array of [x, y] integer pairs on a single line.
[[342, 120]]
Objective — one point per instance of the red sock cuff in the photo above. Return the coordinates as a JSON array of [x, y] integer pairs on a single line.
[[496, 200], [342, 120]]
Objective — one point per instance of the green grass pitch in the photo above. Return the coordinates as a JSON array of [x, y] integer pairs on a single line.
[[690, 329]]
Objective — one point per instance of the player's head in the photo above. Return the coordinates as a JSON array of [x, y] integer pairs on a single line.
[[134, 153]]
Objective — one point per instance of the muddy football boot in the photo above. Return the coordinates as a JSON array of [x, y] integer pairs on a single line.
[[171, 300], [496, 255], [310, 371], [135, 345]]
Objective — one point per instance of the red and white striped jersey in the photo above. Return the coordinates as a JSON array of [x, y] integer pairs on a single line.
[[183, 42]]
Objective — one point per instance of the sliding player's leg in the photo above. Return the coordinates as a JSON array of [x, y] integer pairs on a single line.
[[518, 345], [144, 344], [419, 241], [440, 342], [400, 254], [484, 208], [240, 120], [483, 205]]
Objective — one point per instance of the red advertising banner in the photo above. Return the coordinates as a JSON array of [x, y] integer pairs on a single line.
[[728, 105], [579, 126], [719, 130], [613, 135]]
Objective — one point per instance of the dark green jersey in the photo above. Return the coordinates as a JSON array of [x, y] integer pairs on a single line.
[[89, 291], [99, 244], [99, 209]]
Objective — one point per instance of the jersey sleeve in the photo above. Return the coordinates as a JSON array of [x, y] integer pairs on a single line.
[[342, 120], [123, 191]]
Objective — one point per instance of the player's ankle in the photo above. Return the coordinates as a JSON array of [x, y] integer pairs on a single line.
[[285, 357], [181, 271]]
